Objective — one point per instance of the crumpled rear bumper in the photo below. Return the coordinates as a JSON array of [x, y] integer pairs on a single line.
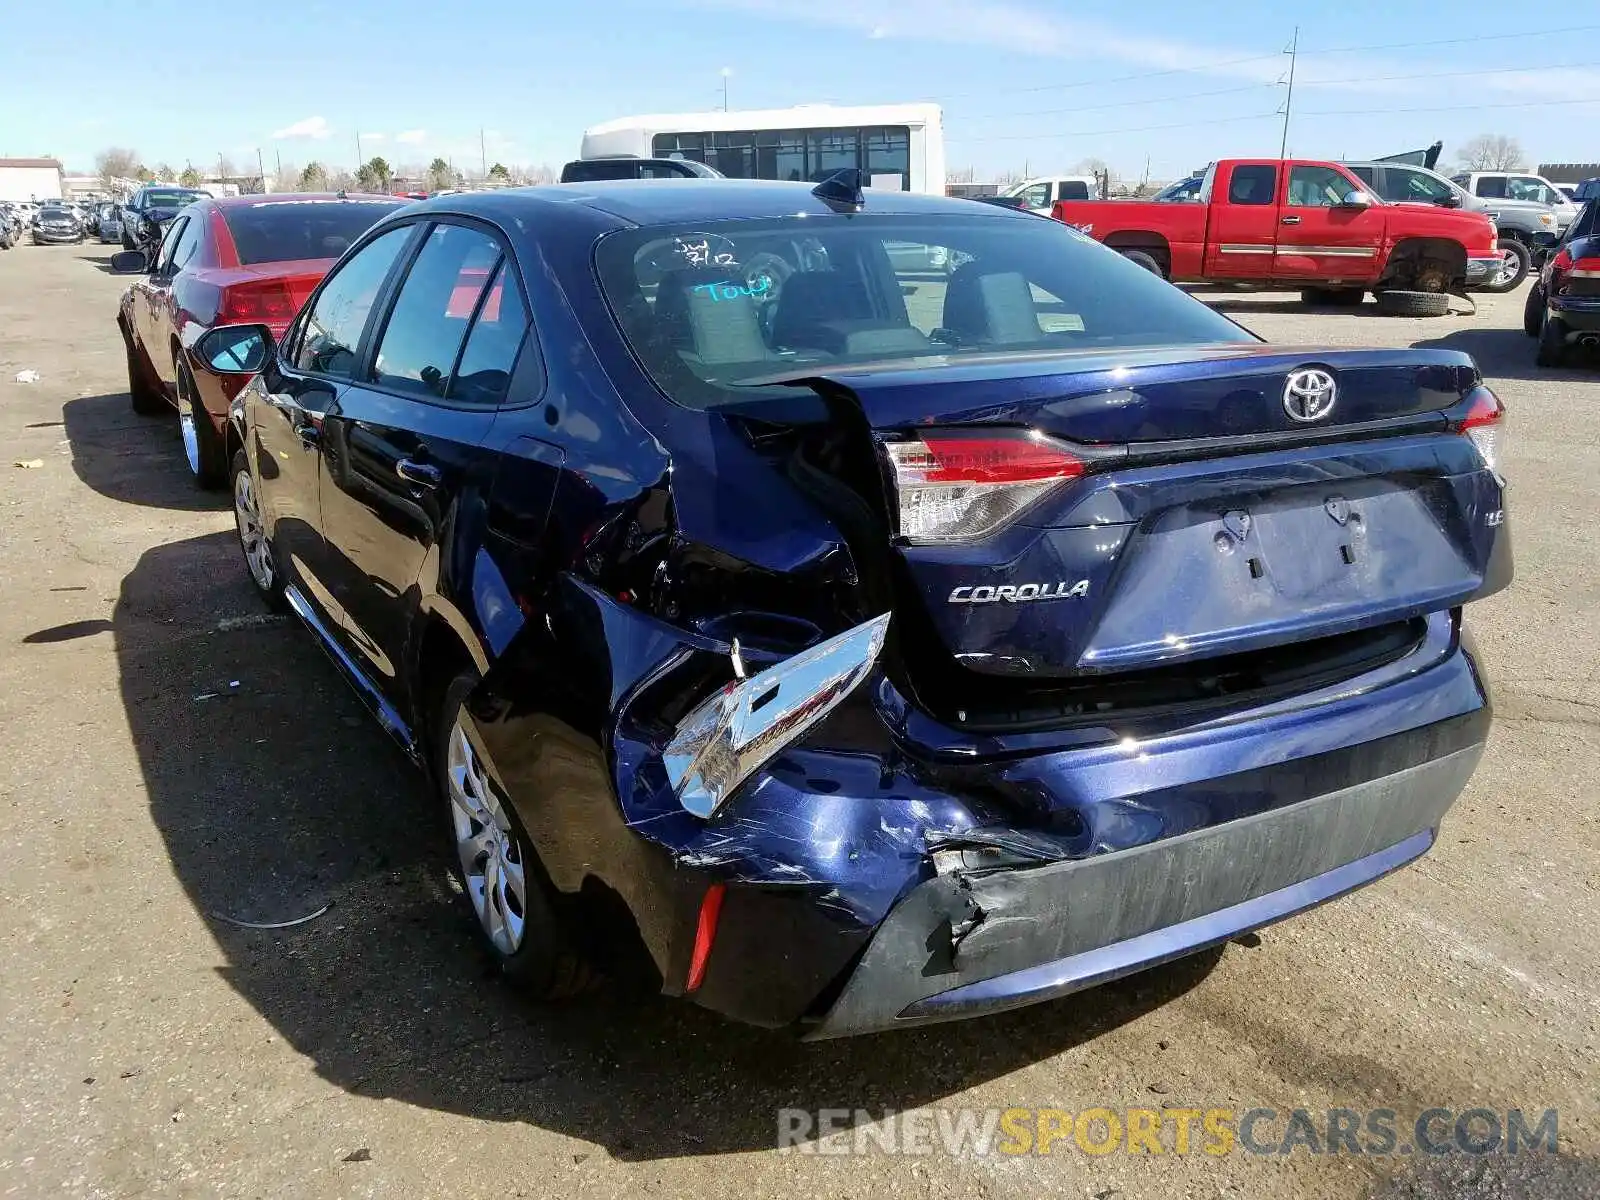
[[967, 943]]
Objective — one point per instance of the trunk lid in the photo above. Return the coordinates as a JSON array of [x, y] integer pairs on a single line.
[[1211, 518]]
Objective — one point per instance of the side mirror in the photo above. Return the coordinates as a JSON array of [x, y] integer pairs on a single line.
[[1356, 199], [130, 262], [235, 349], [1450, 201]]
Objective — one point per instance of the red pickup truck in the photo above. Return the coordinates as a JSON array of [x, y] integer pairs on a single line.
[[1302, 224]]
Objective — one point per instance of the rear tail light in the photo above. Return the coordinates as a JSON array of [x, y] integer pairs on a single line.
[[1585, 268], [960, 487], [1482, 424], [269, 302]]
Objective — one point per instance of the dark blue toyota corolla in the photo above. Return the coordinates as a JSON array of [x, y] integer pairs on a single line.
[[874, 609]]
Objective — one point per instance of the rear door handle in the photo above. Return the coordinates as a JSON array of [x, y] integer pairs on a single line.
[[420, 473], [1291, 220]]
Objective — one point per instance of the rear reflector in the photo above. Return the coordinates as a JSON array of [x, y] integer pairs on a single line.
[[705, 932], [961, 487], [269, 302], [1482, 424]]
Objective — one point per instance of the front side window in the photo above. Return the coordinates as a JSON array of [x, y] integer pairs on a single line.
[[1421, 188], [437, 300], [1253, 184], [332, 327], [1317, 187], [715, 309], [1038, 196], [1530, 187]]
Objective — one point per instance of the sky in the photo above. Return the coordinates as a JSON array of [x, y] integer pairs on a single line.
[[1035, 85]]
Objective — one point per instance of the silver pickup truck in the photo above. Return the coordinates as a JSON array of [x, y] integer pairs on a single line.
[[1516, 220]]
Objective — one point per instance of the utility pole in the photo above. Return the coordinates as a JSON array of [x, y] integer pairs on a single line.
[[219, 166], [261, 171], [359, 159], [1288, 101], [726, 72], [483, 152]]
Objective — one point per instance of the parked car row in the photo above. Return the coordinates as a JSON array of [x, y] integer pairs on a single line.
[[841, 643]]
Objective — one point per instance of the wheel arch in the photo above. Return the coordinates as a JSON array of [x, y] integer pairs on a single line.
[[1152, 243], [1410, 253]]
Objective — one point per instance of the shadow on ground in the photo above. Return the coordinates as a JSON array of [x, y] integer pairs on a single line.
[[1508, 354], [130, 458], [277, 795]]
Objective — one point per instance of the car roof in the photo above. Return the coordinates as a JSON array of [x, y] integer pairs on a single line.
[[673, 201], [258, 200]]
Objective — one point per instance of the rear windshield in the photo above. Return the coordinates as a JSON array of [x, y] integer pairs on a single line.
[[172, 197], [287, 230], [713, 307]]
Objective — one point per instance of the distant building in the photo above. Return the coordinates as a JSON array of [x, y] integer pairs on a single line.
[[30, 179], [1569, 172]]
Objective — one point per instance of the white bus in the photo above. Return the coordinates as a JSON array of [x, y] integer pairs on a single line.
[[898, 146]]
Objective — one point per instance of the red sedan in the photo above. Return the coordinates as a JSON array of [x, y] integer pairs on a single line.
[[226, 262]]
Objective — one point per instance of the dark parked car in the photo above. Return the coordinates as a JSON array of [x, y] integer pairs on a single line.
[[56, 222], [150, 210], [245, 258], [1563, 307], [868, 647]]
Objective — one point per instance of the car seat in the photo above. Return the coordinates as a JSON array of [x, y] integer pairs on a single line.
[[992, 308]]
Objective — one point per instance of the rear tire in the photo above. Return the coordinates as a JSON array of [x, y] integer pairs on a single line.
[[1144, 259], [1413, 304], [1552, 350], [502, 883], [203, 446], [261, 560], [145, 398], [1519, 260], [1533, 311]]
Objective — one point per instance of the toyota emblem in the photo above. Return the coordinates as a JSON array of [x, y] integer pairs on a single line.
[[1308, 395]]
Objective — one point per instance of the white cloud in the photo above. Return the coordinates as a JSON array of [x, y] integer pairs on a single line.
[[878, 32], [372, 137], [411, 137], [316, 128]]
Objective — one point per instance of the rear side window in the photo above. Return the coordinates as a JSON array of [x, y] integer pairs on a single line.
[[483, 375], [333, 326], [1074, 189], [1491, 185], [288, 230], [1253, 185], [1369, 176], [428, 325]]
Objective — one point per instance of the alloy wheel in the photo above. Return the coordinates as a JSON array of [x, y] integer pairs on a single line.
[[191, 435], [492, 862], [252, 534]]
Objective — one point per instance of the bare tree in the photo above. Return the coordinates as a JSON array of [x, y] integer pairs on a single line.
[[1493, 152], [961, 175], [163, 172], [287, 178], [116, 162], [543, 173], [1091, 166]]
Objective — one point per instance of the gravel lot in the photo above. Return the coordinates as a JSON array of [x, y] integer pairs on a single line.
[[173, 756]]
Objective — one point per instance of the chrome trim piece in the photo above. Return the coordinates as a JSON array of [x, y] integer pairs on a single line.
[[1332, 251], [733, 734], [385, 712], [1243, 249]]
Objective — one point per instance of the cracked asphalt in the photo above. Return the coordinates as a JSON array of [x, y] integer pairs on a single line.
[[176, 763]]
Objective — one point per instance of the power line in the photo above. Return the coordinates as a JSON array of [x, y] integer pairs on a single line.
[[1579, 66], [1367, 112], [1481, 37], [1061, 87], [1081, 133], [1055, 112]]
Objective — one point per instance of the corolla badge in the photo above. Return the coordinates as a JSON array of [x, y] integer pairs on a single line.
[[1024, 593], [1309, 394]]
